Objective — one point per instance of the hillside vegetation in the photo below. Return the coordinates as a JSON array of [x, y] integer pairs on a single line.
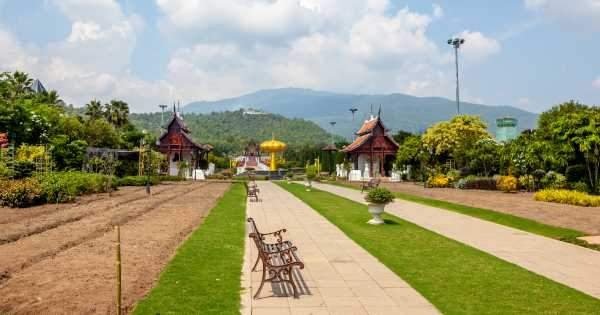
[[399, 111], [230, 131]]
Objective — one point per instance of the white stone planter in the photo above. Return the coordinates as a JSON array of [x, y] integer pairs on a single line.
[[376, 209]]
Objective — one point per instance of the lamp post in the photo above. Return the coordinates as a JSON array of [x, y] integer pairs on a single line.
[[162, 115], [353, 110], [456, 42]]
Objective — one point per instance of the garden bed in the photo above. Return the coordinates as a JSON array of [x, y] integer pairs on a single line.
[[69, 266]]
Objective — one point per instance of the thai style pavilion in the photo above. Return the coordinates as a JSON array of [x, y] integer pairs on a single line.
[[373, 151], [178, 146]]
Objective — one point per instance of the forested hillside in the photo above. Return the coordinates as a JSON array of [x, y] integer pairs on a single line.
[[230, 131]]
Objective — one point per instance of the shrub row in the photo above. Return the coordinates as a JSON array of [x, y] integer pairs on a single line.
[[473, 182], [568, 197], [54, 187], [137, 181]]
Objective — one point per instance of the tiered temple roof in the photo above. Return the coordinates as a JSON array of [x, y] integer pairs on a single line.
[[371, 129]]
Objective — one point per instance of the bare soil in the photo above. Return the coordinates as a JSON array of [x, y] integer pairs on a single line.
[[584, 219], [63, 260]]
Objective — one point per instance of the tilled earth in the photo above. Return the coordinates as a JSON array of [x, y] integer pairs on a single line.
[[61, 258]]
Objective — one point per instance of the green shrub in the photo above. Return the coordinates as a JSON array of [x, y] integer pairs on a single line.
[[473, 182], [66, 186], [576, 173], [137, 181], [311, 172], [580, 187], [554, 180], [507, 183], [170, 178], [23, 169], [568, 197], [527, 182], [379, 196], [20, 193]]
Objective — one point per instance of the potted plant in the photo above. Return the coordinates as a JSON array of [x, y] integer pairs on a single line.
[[377, 199], [311, 174]]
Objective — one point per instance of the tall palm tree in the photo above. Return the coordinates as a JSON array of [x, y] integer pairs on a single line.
[[93, 110], [20, 83], [117, 113], [52, 98]]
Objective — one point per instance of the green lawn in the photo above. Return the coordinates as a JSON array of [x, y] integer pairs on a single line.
[[490, 215], [204, 276], [456, 278]]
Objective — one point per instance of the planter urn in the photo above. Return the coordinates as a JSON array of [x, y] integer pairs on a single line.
[[376, 209]]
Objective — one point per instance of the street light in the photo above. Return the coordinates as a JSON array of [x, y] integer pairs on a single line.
[[353, 110], [162, 114], [456, 42]]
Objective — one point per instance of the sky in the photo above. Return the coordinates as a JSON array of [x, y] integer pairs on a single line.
[[531, 54]]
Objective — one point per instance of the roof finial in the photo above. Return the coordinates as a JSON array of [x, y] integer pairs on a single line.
[[379, 112]]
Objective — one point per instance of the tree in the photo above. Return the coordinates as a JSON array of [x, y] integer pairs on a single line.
[[117, 113], [409, 151], [18, 83], [100, 133], [452, 139], [67, 155], [401, 135], [581, 130], [93, 110], [484, 157]]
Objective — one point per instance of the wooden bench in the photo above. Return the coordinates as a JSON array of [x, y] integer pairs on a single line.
[[372, 183], [278, 259], [252, 190]]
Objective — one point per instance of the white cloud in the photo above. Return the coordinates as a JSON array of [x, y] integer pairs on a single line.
[[596, 83], [438, 12], [576, 15], [477, 46], [92, 61]]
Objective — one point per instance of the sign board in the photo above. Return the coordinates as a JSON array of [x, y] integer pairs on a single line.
[[3, 140]]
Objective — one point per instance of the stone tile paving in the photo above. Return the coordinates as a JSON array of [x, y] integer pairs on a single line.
[[571, 265], [339, 276]]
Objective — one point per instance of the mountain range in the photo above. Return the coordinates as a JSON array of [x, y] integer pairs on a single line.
[[398, 111]]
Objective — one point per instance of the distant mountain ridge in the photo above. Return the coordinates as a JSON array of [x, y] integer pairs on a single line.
[[399, 111]]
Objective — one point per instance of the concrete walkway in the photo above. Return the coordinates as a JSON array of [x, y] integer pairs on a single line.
[[571, 265], [339, 276]]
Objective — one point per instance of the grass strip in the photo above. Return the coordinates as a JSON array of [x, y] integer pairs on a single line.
[[456, 278], [505, 219], [204, 276]]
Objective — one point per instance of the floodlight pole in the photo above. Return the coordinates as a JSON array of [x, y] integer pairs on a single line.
[[456, 42], [353, 110], [162, 115], [332, 123]]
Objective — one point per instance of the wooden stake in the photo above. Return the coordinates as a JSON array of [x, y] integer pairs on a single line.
[[119, 308]]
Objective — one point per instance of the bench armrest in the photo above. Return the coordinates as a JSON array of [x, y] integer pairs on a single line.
[[276, 234]]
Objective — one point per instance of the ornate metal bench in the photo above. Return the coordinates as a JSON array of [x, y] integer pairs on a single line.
[[372, 183], [278, 259], [252, 190]]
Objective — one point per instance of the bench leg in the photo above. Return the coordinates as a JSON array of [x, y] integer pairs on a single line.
[[256, 263], [262, 283], [292, 282]]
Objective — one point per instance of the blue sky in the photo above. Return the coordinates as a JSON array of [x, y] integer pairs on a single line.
[[527, 53]]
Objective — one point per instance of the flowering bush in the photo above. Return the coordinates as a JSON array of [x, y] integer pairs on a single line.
[[379, 196], [554, 180], [20, 193], [438, 181], [527, 182], [568, 197], [473, 182], [507, 183]]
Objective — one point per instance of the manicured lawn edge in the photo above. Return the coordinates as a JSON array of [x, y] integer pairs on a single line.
[[204, 276], [501, 218], [454, 277]]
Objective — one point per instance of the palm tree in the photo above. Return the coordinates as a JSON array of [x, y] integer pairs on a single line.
[[20, 83], [52, 98], [93, 110], [117, 113]]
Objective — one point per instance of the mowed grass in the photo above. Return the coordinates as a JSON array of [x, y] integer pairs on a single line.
[[456, 278], [204, 276], [506, 219]]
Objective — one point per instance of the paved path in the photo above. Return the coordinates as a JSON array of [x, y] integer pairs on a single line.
[[339, 278], [572, 265]]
